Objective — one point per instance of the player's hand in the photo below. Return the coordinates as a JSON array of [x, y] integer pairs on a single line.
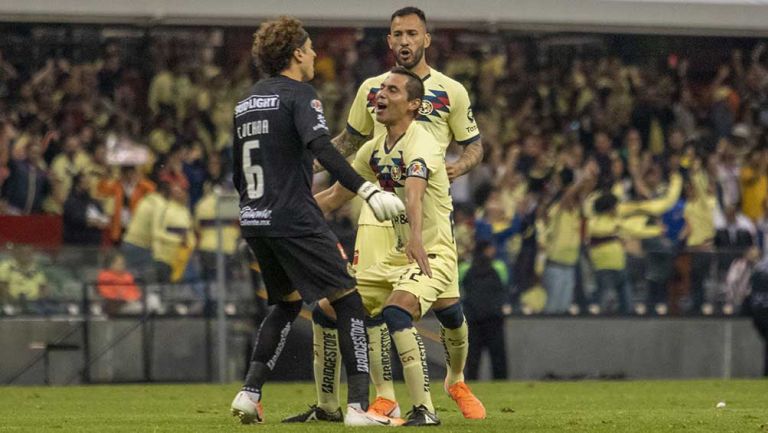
[[385, 205], [416, 253], [453, 171]]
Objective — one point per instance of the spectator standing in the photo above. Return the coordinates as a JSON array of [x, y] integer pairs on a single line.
[[173, 237], [486, 301], [561, 240], [137, 242], [206, 214], [699, 230], [72, 161], [84, 219], [754, 183], [124, 192], [27, 186]]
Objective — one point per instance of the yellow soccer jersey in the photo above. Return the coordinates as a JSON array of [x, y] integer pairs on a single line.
[[416, 153], [446, 114]]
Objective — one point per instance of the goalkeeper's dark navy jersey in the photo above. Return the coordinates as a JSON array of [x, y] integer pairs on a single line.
[[273, 126]]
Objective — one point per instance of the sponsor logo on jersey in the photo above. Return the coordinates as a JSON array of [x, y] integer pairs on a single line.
[[257, 103], [255, 217], [317, 105]]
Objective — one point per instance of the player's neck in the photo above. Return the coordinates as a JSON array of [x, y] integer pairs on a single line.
[[293, 73], [396, 130], [421, 69]]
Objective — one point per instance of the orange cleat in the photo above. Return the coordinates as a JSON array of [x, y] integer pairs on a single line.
[[385, 407], [469, 405]]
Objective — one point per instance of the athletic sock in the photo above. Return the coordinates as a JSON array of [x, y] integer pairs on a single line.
[[325, 360], [410, 349], [353, 343], [379, 355], [456, 345], [270, 343], [454, 335]]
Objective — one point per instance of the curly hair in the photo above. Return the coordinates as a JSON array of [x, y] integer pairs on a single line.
[[274, 42]]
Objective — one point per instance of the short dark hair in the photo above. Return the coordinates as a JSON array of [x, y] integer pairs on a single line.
[[605, 203], [409, 10], [274, 43], [414, 86]]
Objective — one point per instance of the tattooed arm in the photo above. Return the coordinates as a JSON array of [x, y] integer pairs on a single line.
[[472, 155]]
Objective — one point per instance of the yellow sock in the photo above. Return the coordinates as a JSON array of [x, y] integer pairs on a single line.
[[410, 348], [456, 345], [379, 357], [326, 361]]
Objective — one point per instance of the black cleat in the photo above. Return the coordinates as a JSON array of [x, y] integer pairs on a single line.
[[421, 417], [316, 414]]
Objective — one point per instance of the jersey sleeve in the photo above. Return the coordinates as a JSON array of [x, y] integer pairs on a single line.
[[423, 157], [462, 120], [308, 115], [359, 121], [361, 162]]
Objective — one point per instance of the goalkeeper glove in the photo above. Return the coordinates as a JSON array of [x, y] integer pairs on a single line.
[[385, 205]]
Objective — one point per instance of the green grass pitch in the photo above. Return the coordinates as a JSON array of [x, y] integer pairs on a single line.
[[615, 407]]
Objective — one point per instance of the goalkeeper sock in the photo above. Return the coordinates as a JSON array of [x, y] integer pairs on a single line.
[[325, 360], [353, 343], [379, 355], [270, 343]]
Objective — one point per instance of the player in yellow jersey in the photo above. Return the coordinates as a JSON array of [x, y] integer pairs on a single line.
[[446, 114], [422, 265]]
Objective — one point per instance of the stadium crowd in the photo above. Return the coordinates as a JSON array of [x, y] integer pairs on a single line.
[[607, 185]]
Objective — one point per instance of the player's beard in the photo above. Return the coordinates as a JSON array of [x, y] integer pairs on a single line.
[[416, 57]]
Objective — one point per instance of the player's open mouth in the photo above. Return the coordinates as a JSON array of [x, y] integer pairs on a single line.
[[405, 54], [380, 106]]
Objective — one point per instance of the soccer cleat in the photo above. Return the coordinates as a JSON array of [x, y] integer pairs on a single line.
[[385, 407], [421, 417], [316, 414], [469, 405], [249, 411], [359, 418]]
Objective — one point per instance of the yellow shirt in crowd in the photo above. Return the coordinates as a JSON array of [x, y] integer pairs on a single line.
[[173, 229], [144, 219], [20, 280], [205, 224], [754, 189], [562, 235]]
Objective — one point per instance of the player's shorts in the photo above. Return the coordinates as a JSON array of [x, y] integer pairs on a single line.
[[387, 276], [315, 265], [372, 244]]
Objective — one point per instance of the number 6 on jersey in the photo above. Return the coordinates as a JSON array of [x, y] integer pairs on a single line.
[[254, 174]]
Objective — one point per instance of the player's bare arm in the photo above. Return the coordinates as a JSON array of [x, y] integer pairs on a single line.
[[333, 198], [472, 155], [415, 188]]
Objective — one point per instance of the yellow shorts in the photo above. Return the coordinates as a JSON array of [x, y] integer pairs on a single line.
[[372, 245], [377, 282]]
